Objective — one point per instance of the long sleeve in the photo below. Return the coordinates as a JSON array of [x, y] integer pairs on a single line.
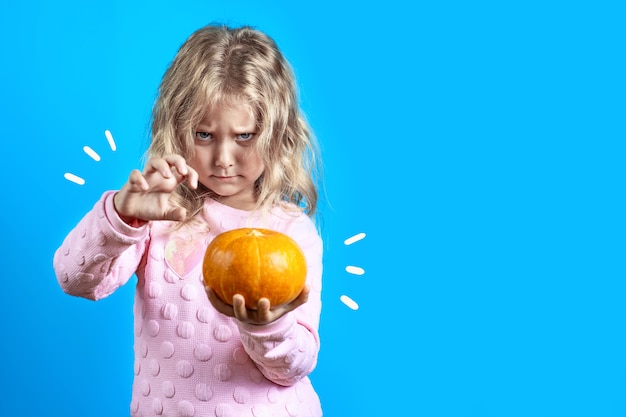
[[189, 359], [100, 254], [286, 350]]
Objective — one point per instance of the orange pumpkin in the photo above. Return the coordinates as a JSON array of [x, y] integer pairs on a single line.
[[255, 263]]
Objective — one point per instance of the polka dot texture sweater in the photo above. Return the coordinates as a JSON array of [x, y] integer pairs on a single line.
[[191, 360]]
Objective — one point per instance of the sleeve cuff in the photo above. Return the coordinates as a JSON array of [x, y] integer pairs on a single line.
[[281, 326], [117, 223]]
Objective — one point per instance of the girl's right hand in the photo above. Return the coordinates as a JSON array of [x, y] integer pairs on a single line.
[[146, 196]]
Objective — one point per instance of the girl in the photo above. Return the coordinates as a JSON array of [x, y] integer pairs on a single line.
[[230, 148]]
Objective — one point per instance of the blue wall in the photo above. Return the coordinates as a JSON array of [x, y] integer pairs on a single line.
[[481, 146]]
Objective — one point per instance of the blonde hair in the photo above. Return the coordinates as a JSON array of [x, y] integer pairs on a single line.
[[215, 65]]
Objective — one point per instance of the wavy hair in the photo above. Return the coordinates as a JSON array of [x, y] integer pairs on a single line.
[[215, 65]]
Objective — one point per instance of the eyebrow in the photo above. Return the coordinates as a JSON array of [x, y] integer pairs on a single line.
[[253, 128]]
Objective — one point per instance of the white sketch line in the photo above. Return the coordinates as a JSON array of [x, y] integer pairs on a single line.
[[93, 154], [354, 239], [355, 270], [74, 178], [109, 137], [349, 302]]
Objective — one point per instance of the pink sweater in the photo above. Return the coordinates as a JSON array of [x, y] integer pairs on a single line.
[[191, 360]]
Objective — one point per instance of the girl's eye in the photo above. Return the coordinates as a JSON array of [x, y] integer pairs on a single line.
[[245, 136], [203, 135]]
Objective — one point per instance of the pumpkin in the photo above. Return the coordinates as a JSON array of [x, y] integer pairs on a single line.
[[255, 263]]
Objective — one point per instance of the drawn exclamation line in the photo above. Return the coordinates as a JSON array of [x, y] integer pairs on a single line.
[[354, 270], [93, 155]]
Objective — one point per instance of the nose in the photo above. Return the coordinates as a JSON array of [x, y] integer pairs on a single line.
[[224, 156]]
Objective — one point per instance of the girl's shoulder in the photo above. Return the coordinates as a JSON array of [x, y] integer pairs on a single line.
[[290, 213], [292, 219], [289, 209]]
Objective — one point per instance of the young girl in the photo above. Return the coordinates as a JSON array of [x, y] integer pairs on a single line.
[[229, 149]]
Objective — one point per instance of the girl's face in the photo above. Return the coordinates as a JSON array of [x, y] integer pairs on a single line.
[[226, 155]]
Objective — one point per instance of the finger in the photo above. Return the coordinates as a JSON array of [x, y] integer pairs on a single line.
[[173, 158], [183, 171], [192, 177], [159, 165], [239, 307], [179, 164], [137, 181], [177, 174], [263, 310]]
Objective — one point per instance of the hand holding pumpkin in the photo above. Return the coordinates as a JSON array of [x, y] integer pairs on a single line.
[[264, 312], [255, 275]]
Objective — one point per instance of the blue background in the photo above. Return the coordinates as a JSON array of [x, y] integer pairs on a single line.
[[479, 145]]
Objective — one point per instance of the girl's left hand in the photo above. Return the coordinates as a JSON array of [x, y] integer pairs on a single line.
[[264, 314]]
